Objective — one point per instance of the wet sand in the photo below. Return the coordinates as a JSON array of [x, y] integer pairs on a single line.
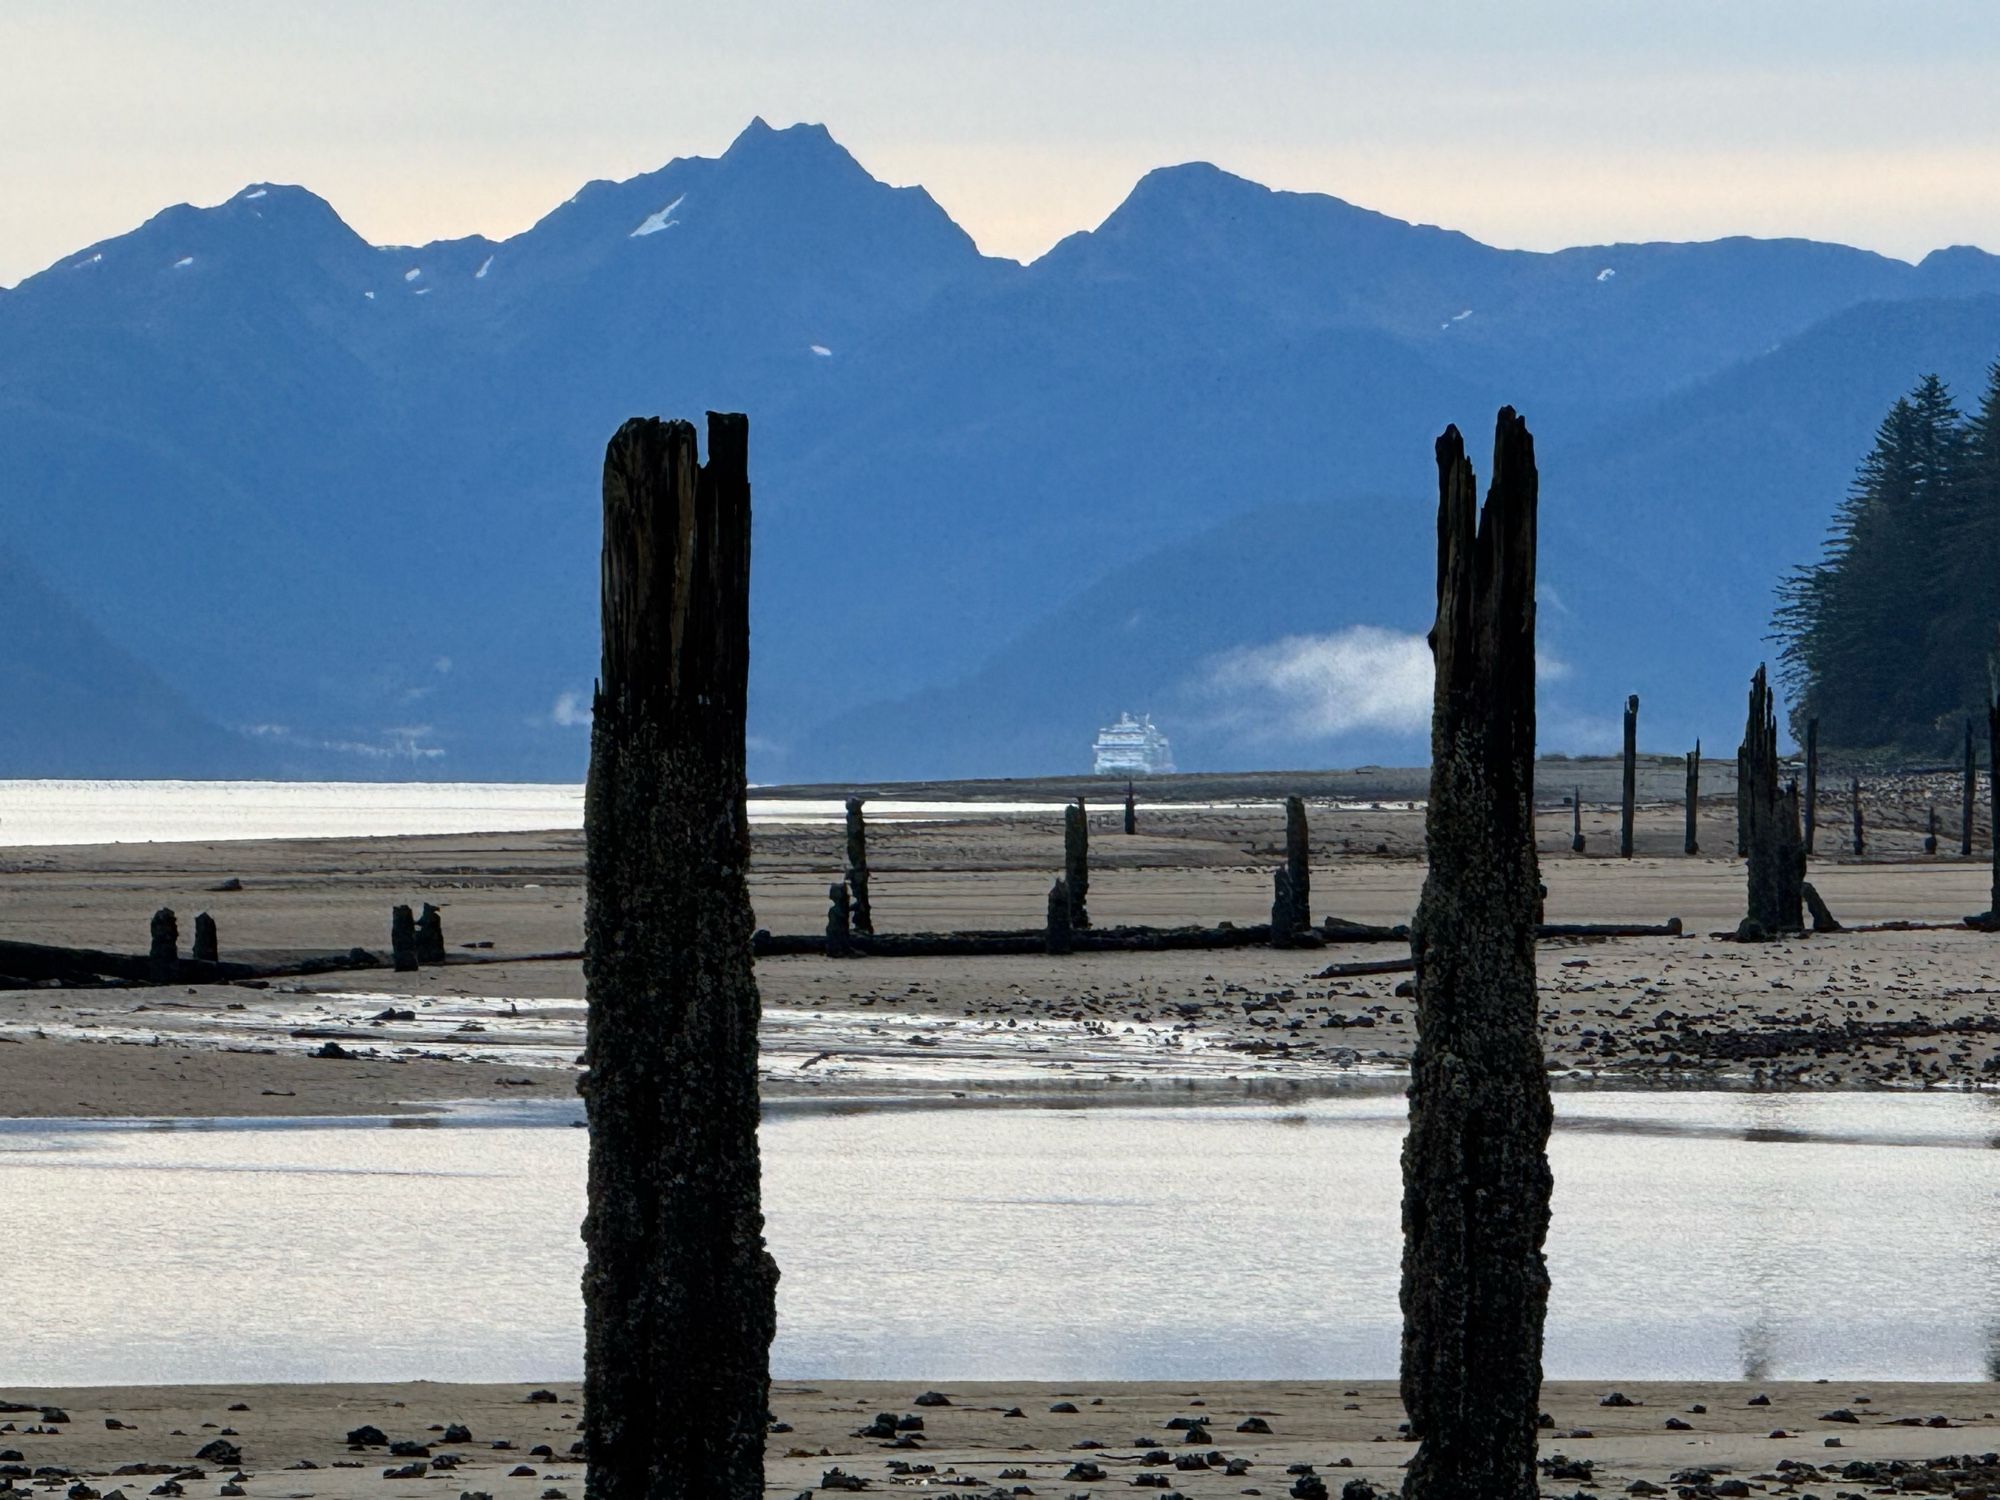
[[292, 1438], [1864, 1009]]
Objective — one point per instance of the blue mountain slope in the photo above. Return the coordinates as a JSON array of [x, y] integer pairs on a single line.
[[350, 491]]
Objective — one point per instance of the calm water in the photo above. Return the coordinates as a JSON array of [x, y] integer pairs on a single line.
[[1696, 1235], [106, 812]]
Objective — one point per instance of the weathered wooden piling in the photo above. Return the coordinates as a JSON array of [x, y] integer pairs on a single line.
[[1971, 795], [1076, 862], [859, 867], [1576, 844], [1131, 811], [1298, 861], [1930, 830], [164, 951], [679, 1292], [1690, 843], [1854, 799], [1059, 936], [839, 920], [1628, 806], [1476, 1179], [1812, 782], [402, 940], [1777, 868], [207, 948], [430, 935]]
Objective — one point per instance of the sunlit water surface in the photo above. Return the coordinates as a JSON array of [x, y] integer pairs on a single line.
[[112, 812], [1695, 1236]]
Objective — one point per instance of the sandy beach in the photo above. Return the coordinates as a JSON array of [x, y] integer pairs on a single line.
[[1096, 1439], [1854, 1009]]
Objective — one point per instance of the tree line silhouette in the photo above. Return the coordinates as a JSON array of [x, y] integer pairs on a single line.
[[1887, 637]]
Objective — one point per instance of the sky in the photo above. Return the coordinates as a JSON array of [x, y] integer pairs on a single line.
[[1534, 123]]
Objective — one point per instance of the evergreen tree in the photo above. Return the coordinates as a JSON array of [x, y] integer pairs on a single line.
[[1884, 638]]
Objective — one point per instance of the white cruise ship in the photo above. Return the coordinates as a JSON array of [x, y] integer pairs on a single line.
[[1132, 747]]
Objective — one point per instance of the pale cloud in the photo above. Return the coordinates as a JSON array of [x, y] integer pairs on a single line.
[[1319, 686], [571, 711], [1364, 677]]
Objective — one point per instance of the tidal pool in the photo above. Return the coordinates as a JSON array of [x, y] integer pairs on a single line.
[[1696, 1235]]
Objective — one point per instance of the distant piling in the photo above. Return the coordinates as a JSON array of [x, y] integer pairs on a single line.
[[403, 939], [430, 936], [1860, 837], [207, 949], [1131, 811], [839, 920], [1690, 843], [164, 952], [1629, 792], [1777, 856], [1059, 935], [1076, 862], [857, 866], [1930, 830], [1576, 820], [1298, 861]]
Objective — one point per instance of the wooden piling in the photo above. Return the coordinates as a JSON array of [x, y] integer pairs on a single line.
[[164, 950], [839, 920], [1776, 850], [430, 935], [857, 866], [1628, 806], [1576, 844], [1854, 795], [1690, 844], [1131, 811], [403, 939], [1476, 1182], [1059, 935], [679, 1293], [1298, 861], [1076, 862], [206, 942]]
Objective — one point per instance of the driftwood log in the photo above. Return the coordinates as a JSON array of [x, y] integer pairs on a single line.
[[679, 1293], [1476, 1183]]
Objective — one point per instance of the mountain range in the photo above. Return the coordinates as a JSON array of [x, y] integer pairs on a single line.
[[275, 500]]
